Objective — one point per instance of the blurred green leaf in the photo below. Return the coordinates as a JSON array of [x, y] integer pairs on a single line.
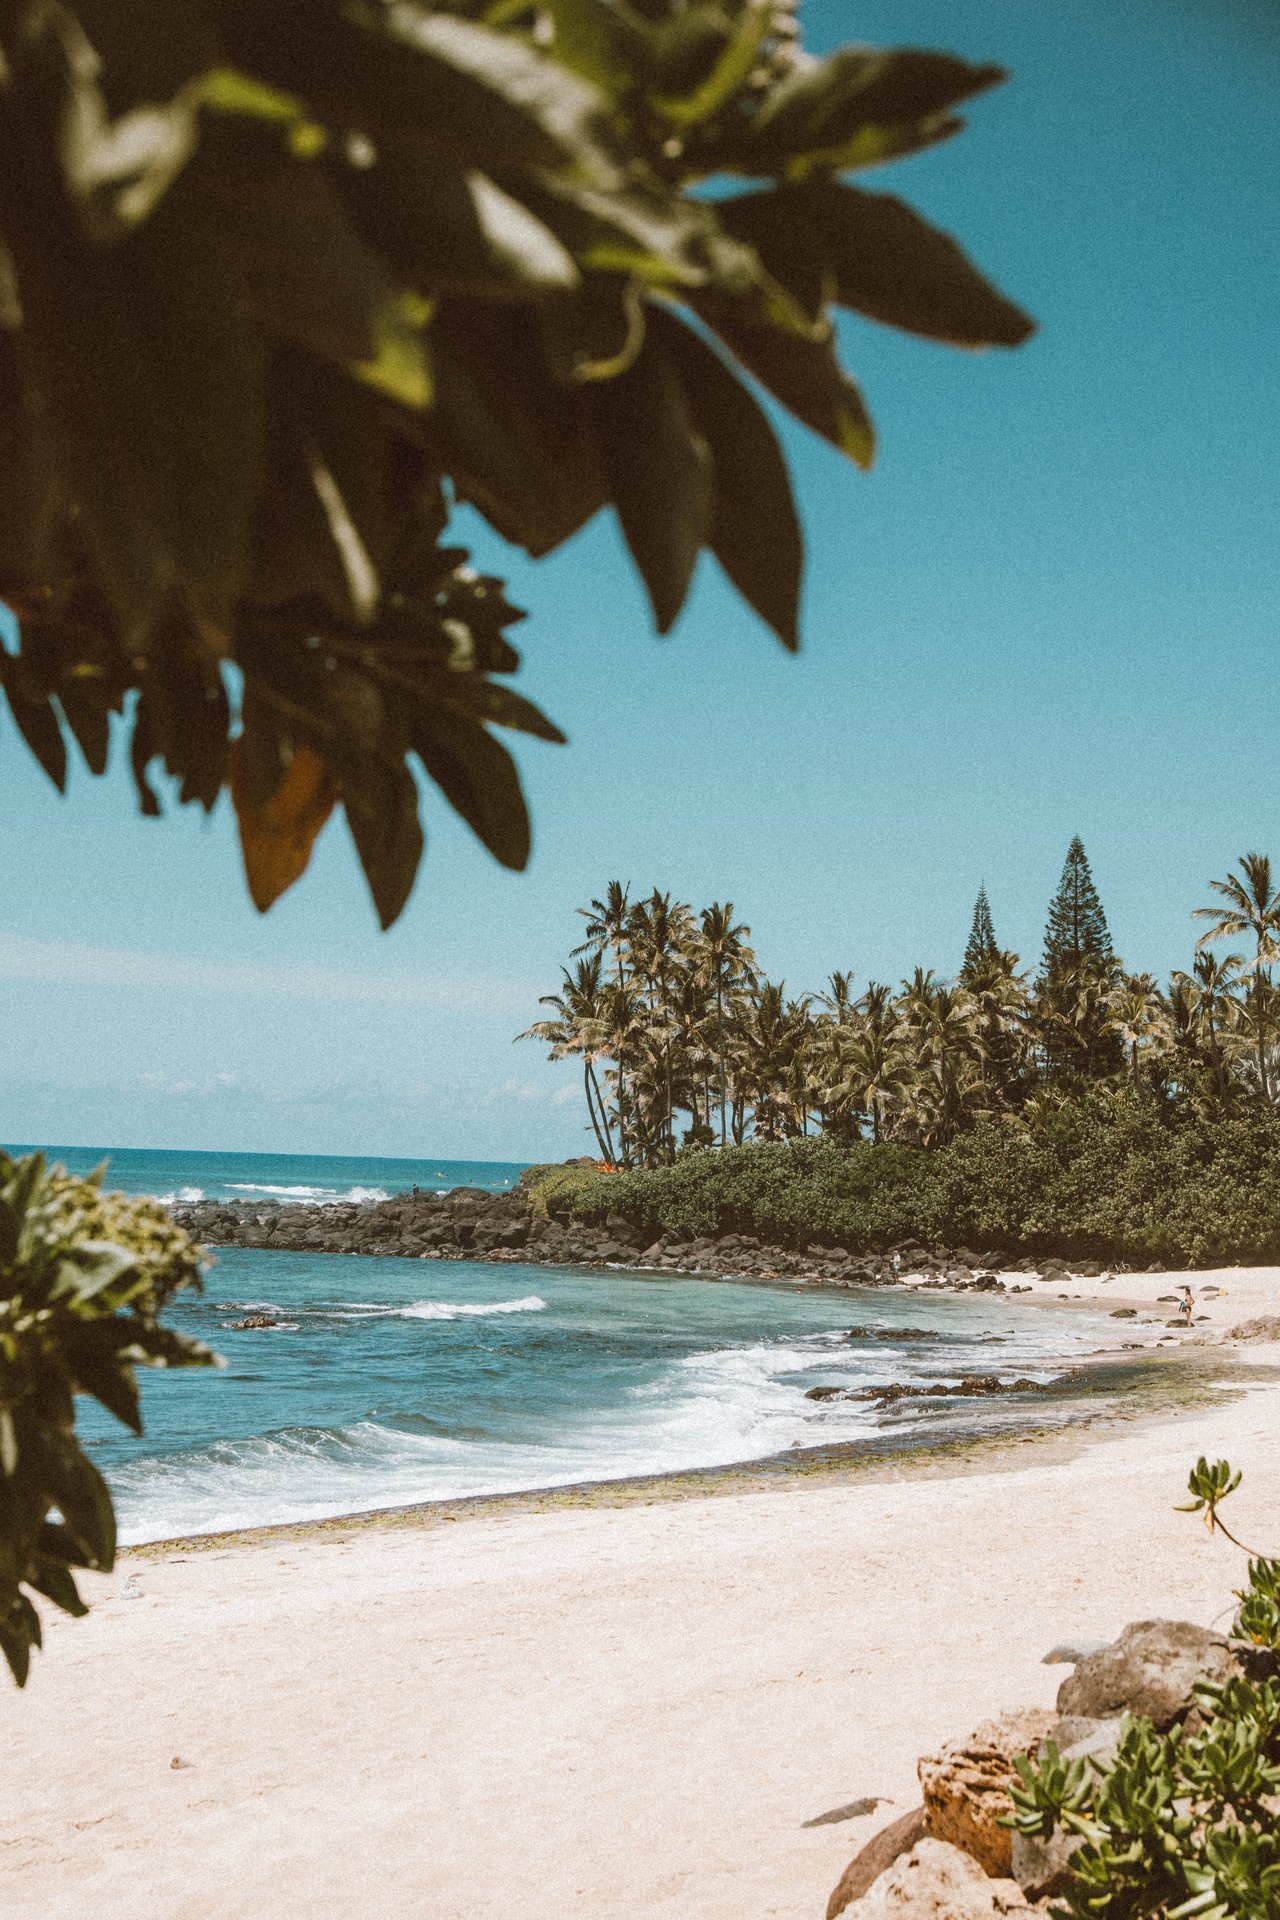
[[476, 775], [873, 253], [734, 48], [860, 106], [660, 476], [382, 813], [799, 369], [280, 284], [755, 532], [80, 1493]]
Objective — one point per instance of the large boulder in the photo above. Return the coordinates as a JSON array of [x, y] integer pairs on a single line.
[[966, 1786], [1265, 1327], [935, 1881], [1151, 1670], [872, 1860]]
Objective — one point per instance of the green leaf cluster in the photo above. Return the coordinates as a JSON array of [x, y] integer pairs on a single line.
[[1177, 1824], [84, 1276], [280, 283]]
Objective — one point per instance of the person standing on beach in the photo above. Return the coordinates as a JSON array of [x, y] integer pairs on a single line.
[[1186, 1306]]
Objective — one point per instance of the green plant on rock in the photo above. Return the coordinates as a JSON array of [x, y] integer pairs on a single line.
[[1183, 1823], [84, 1276]]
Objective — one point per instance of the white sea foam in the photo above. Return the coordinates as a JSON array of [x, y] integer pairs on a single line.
[[724, 1404], [314, 1196], [459, 1310], [184, 1196]]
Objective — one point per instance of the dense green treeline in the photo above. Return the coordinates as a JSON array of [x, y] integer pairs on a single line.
[[685, 1043], [1114, 1177], [1086, 1110]]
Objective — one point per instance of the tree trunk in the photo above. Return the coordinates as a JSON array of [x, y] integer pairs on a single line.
[[1258, 1020], [720, 1048], [600, 1127]]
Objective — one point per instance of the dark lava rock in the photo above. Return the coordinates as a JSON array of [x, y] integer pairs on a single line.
[[973, 1386], [891, 1333]]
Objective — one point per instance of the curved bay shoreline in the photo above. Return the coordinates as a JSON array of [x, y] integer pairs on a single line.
[[1170, 1374], [618, 1701], [1156, 1387]]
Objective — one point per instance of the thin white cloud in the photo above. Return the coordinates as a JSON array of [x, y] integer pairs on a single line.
[[65, 963]]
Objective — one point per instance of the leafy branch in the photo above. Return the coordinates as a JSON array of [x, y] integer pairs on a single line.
[[280, 283], [84, 1276]]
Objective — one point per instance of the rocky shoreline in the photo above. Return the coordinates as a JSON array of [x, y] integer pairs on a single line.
[[471, 1223], [956, 1857]]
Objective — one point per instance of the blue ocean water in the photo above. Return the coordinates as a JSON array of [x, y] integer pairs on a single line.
[[314, 1179], [390, 1381]]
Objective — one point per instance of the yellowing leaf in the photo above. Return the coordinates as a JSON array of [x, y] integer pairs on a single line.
[[277, 835], [402, 365]]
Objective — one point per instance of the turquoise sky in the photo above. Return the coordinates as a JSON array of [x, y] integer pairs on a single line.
[[1052, 608]]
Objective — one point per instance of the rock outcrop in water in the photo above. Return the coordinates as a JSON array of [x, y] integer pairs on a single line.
[[472, 1223]]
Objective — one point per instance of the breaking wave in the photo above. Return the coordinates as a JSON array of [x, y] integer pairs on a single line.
[[310, 1196]]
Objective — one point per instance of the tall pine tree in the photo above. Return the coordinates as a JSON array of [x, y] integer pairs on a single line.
[[1076, 929], [1072, 1012], [982, 939]]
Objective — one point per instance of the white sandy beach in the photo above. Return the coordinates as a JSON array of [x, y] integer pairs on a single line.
[[612, 1711]]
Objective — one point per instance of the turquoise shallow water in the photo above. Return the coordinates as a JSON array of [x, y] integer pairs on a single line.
[[392, 1381]]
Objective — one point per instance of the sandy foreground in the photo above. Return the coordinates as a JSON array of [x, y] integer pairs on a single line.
[[613, 1711]]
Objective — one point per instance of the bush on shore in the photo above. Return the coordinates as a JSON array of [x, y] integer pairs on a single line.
[[559, 1186], [1113, 1176]]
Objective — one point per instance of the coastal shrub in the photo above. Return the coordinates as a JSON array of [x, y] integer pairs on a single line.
[[84, 1276], [800, 1190], [1110, 1175], [562, 1186], [1179, 1823]]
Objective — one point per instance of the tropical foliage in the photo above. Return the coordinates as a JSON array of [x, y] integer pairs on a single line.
[[83, 1278], [1180, 1823], [281, 282], [685, 1042], [1108, 1175]]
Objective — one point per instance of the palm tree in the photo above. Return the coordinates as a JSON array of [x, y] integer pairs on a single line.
[[577, 1028], [839, 1000], [873, 1057], [658, 931], [608, 925], [941, 1030], [1001, 1001], [1135, 1010], [607, 931], [722, 958], [1215, 1013], [1252, 907], [622, 1030]]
